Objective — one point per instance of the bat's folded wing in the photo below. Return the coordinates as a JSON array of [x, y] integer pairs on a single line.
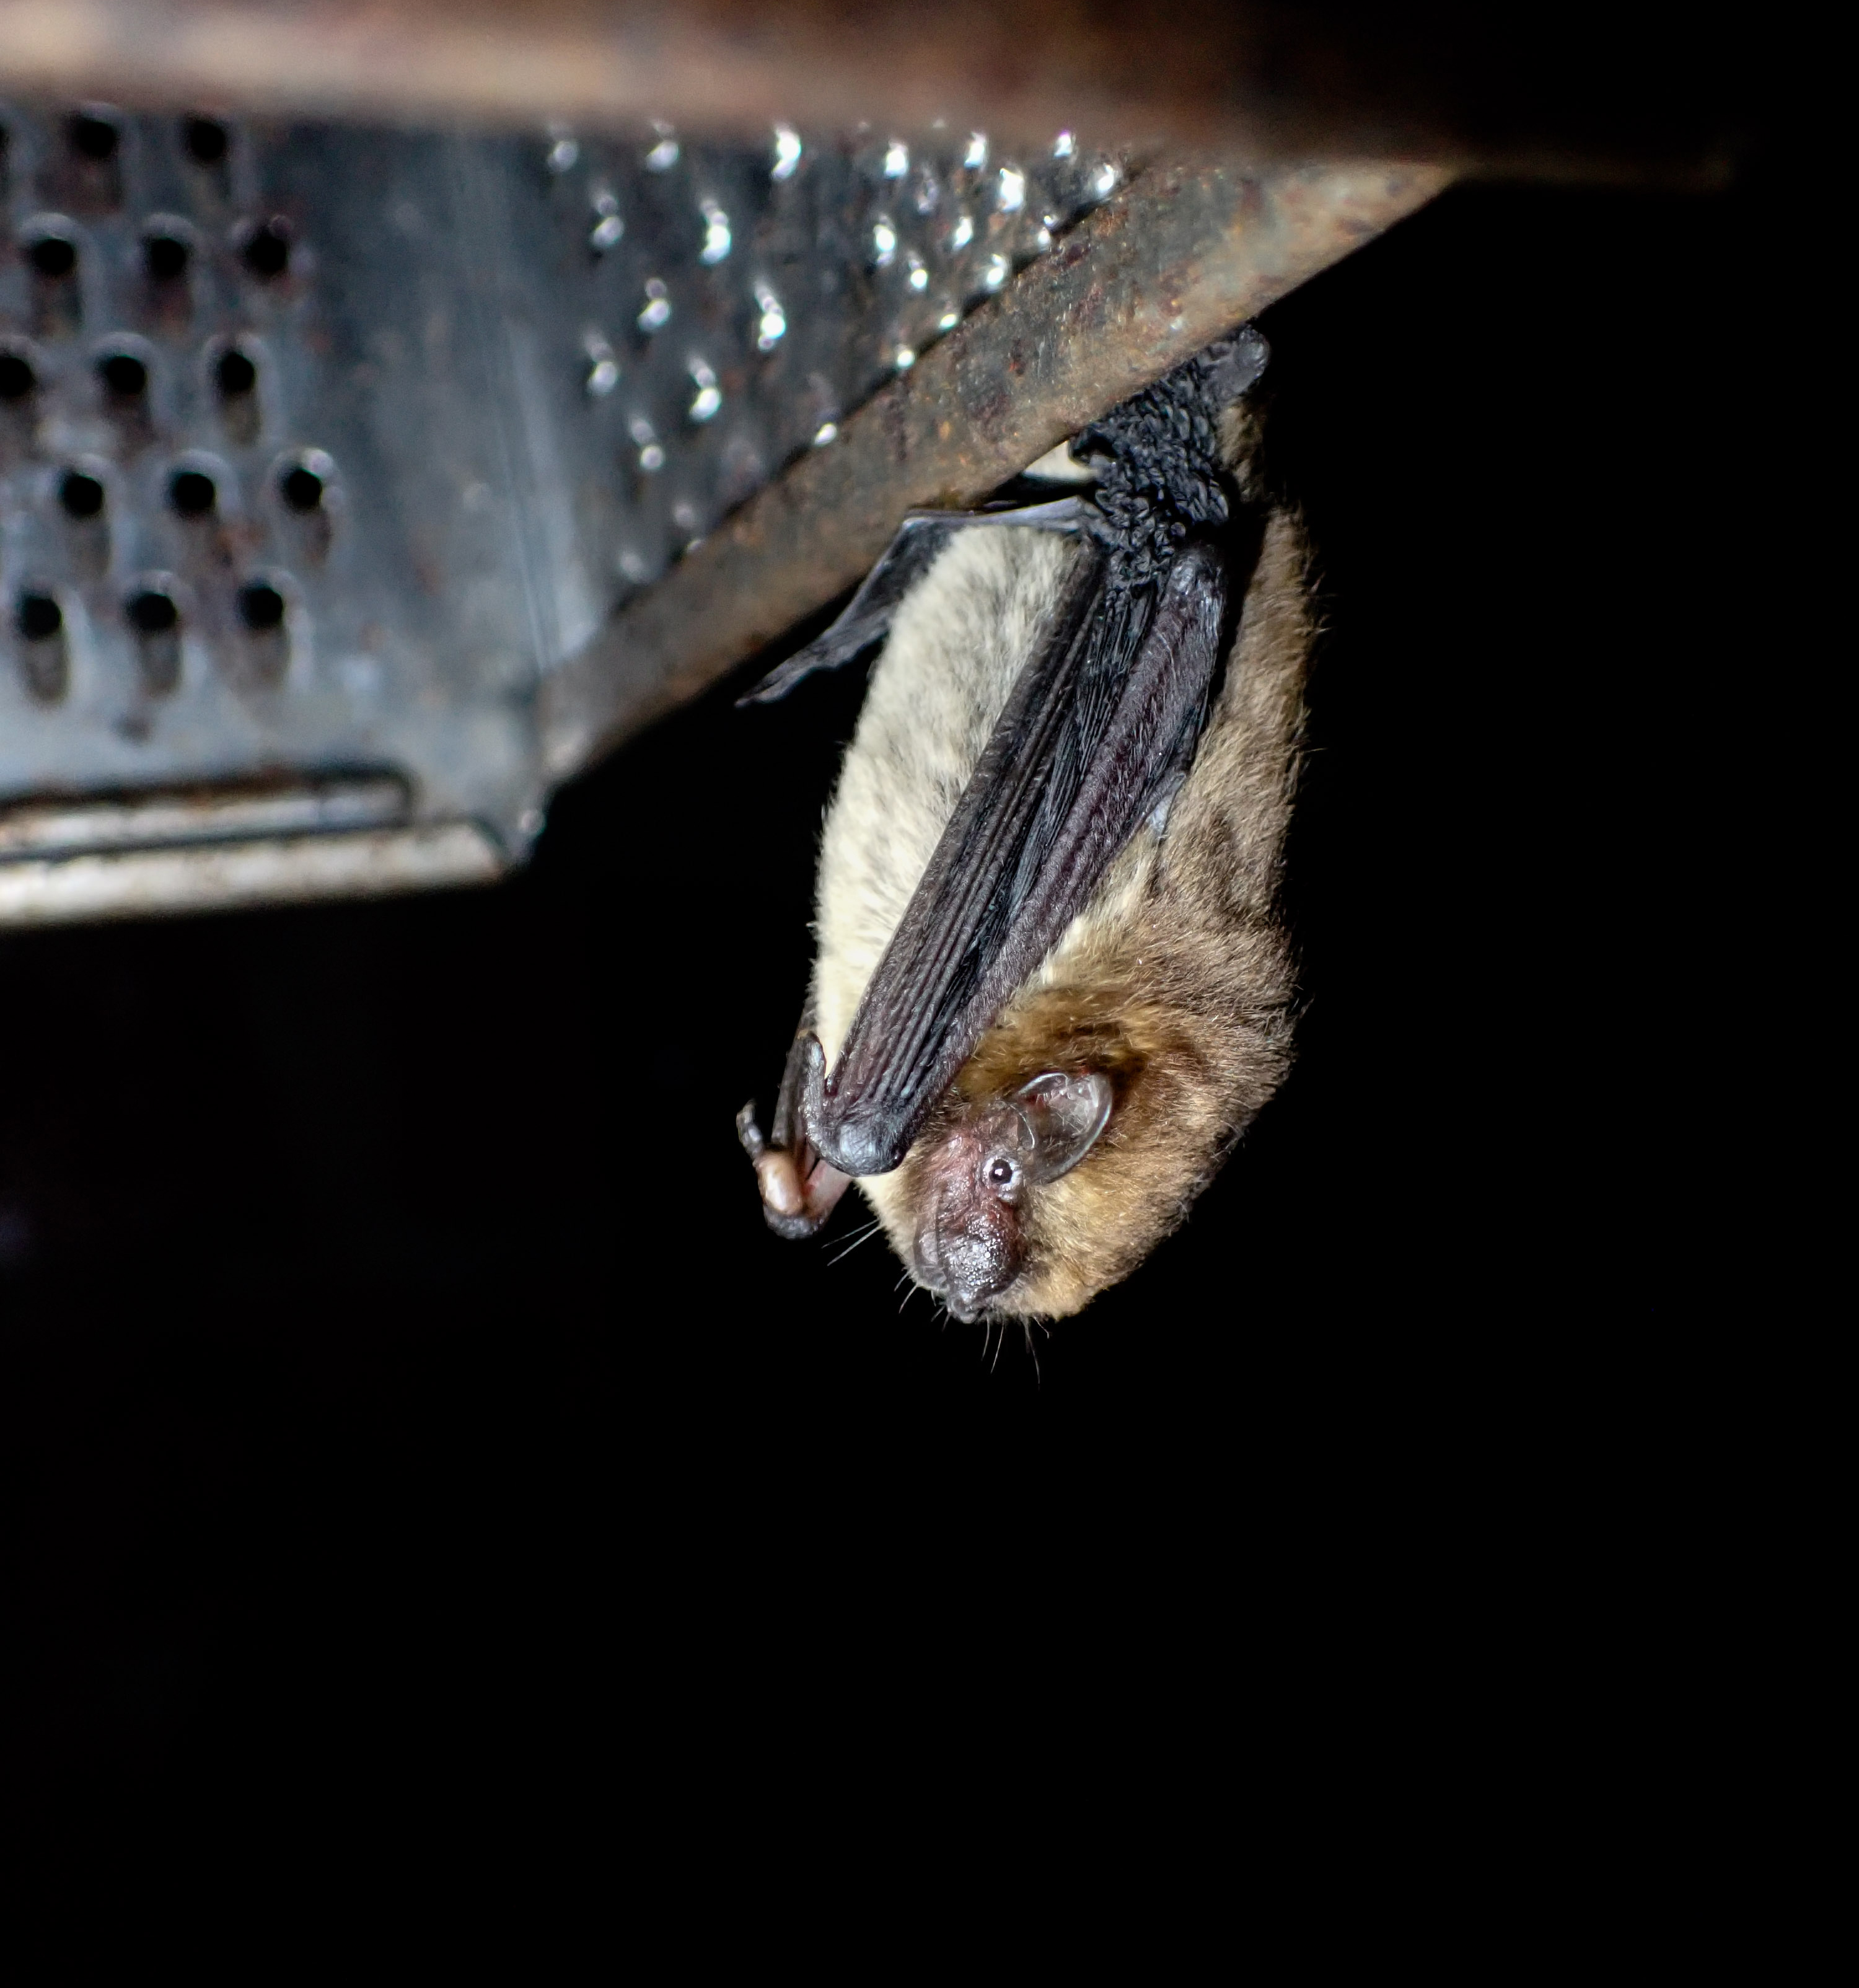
[[866, 620], [1099, 727]]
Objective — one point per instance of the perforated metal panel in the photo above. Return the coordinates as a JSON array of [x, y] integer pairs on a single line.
[[320, 446]]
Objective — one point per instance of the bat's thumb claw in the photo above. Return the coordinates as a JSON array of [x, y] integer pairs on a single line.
[[784, 1195]]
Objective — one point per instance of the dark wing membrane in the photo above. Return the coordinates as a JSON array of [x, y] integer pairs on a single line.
[[1098, 727], [867, 619]]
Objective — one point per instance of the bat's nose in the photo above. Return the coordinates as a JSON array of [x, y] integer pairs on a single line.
[[965, 1267], [965, 1305]]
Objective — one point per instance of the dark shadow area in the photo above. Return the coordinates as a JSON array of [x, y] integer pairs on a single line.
[[394, 1359]]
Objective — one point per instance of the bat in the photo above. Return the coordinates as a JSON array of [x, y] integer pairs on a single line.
[[1054, 983]]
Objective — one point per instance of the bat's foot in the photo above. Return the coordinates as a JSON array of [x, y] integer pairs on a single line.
[[749, 1132], [798, 1189]]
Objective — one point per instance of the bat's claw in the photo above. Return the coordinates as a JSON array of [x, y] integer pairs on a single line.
[[798, 1189]]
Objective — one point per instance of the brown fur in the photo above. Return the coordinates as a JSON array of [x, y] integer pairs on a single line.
[[1177, 981]]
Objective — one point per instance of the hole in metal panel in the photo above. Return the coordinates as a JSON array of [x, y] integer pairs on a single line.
[[205, 140], [93, 137], [301, 489], [81, 495], [165, 258], [156, 622], [17, 378], [267, 251], [124, 374], [235, 374], [44, 660], [39, 618], [53, 256], [152, 613], [192, 494], [261, 608]]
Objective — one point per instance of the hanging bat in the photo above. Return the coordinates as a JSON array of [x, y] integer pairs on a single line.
[[1052, 985]]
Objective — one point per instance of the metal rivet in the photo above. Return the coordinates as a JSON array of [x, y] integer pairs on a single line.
[[716, 232]]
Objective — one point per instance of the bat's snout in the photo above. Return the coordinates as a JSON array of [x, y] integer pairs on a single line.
[[968, 1248], [971, 1244], [967, 1265]]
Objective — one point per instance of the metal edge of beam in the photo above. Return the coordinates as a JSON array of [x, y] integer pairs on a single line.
[[721, 66], [89, 885], [1187, 251], [1272, 78]]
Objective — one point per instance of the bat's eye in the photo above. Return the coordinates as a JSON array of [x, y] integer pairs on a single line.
[[1002, 1175]]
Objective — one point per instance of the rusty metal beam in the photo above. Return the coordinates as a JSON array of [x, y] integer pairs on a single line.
[[1186, 251], [1577, 89]]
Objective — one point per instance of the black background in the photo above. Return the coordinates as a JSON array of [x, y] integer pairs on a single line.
[[394, 1362]]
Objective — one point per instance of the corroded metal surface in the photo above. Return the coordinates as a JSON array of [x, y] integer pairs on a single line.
[[257, 512], [321, 446], [1271, 78], [403, 471], [1185, 253], [699, 313]]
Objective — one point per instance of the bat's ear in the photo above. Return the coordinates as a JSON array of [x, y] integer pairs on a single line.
[[1064, 1113], [1238, 364]]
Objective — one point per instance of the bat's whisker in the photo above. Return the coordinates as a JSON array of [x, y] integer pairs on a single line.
[[862, 1235]]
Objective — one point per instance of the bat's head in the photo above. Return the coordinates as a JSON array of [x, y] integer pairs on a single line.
[[1075, 1139], [974, 1178]]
